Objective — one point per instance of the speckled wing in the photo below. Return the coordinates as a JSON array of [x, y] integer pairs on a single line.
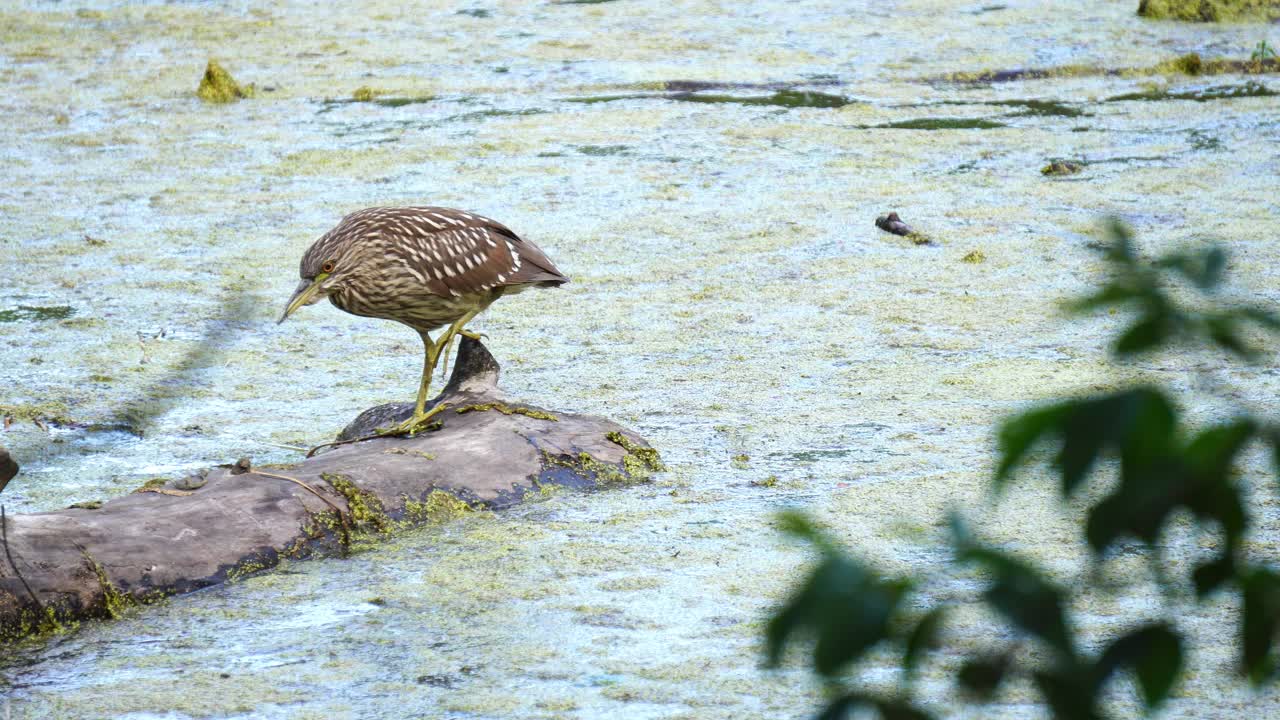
[[453, 252]]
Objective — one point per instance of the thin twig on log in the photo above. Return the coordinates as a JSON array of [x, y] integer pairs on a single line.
[[342, 516]]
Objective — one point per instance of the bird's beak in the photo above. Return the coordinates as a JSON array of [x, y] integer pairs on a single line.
[[308, 292]]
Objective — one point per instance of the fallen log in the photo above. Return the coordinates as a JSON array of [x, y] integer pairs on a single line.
[[488, 452]]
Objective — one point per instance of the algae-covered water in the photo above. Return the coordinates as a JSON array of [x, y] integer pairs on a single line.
[[731, 300]]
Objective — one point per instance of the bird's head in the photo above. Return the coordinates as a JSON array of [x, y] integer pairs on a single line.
[[325, 268]]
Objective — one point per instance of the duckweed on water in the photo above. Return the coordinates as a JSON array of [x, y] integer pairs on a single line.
[[1041, 108], [49, 411], [938, 124], [1216, 92], [602, 150], [36, 313], [1037, 108]]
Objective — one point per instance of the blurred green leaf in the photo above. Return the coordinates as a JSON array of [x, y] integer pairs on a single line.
[[1109, 295], [1151, 330], [1223, 331], [1069, 692], [1261, 591], [982, 675], [1018, 592], [1212, 452], [1021, 433], [1203, 268], [1154, 483], [843, 606], [889, 709], [1262, 316], [1139, 423], [1121, 248], [1211, 575], [1154, 653], [923, 637]]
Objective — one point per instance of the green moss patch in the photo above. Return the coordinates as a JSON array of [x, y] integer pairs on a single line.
[[438, 507], [51, 411], [217, 85], [508, 410], [364, 509], [1209, 10]]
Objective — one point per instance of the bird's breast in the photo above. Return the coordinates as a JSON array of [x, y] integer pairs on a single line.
[[415, 306]]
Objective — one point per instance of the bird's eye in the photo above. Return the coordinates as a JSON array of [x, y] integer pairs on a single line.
[[327, 267]]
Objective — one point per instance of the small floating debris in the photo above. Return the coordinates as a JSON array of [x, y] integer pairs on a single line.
[[974, 257], [364, 93], [217, 85], [1061, 167], [891, 223]]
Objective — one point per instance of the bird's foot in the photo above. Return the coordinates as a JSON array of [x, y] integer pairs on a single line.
[[413, 425], [472, 335]]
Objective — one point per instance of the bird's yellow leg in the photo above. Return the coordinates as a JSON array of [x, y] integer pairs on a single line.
[[420, 414], [445, 343], [434, 350]]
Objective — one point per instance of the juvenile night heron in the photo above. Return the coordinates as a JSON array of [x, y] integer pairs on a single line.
[[425, 267]]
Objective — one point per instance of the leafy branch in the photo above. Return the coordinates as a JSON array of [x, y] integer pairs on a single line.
[[1162, 469]]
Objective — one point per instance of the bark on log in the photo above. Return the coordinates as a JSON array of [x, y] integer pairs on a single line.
[[489, 452]]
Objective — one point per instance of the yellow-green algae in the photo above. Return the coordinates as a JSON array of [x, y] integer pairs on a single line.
[[508, 410], [637, 465], [48, 411], [438, 507], [1209, 10], [1190, 64], [364, 508], [217, 85]]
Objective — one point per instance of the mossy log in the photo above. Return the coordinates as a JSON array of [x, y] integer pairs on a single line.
[[488, 452]]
